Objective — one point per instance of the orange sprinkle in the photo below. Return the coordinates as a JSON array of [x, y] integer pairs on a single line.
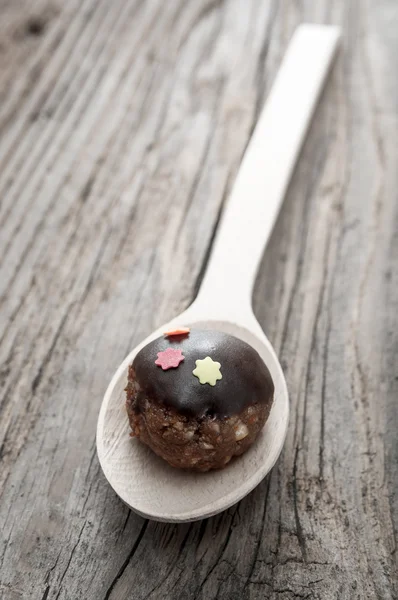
[[177, 331]]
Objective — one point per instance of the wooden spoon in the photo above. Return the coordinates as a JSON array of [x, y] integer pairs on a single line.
[[146, 483]]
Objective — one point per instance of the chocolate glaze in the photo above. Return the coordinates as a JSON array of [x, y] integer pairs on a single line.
[[245, 378]]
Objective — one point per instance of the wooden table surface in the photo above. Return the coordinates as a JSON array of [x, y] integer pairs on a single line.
[[122, 125]]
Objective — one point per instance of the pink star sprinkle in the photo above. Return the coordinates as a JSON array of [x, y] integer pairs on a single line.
[[170, 358]]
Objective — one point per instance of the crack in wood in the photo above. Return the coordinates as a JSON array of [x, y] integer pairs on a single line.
[[127, 560], [70, 560]]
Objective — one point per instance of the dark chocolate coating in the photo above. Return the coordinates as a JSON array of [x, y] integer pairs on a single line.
[[245, 377]]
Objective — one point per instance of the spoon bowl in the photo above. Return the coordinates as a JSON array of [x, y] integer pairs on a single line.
[[151, 487], [143, 481]]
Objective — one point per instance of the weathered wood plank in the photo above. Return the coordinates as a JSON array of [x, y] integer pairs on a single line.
[[122, 125]]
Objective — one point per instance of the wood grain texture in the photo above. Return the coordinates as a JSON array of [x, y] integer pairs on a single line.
[[122, 125]]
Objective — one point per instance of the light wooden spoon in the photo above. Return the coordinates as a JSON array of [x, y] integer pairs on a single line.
[[143, 481]]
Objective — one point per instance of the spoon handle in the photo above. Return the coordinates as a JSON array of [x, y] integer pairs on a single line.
[[265, 172]]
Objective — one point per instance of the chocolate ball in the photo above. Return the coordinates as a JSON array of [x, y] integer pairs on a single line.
[[206, 408]]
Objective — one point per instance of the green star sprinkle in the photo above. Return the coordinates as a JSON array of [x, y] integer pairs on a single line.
[[207, 371]]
